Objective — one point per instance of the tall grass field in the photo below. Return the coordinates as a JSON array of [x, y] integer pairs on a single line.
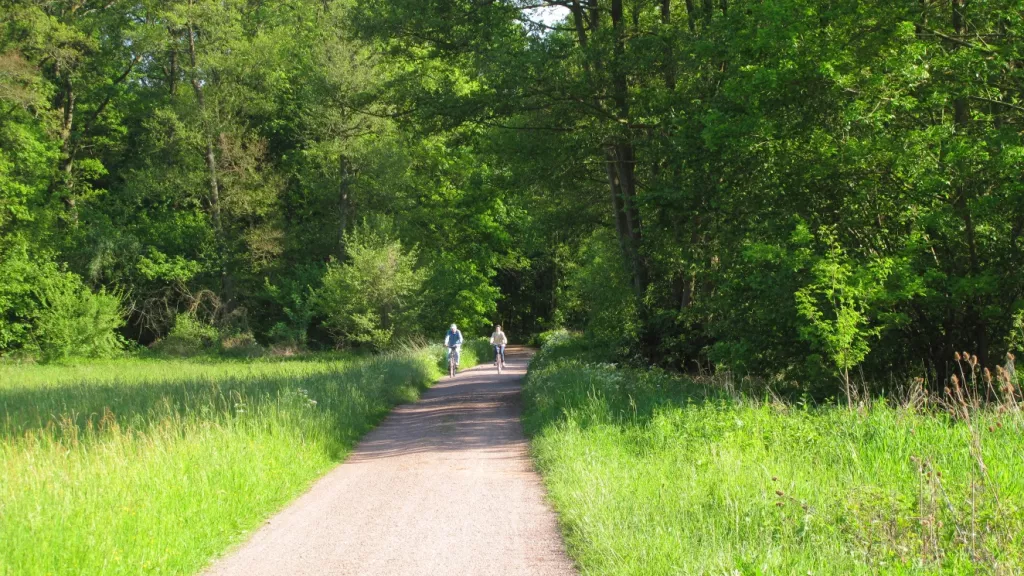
[[653, 474], [152, 466]]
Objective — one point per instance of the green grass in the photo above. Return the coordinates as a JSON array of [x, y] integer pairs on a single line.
[[655, 475], [157, 466]]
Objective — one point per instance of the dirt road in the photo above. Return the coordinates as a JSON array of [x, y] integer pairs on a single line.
[[443, 486]]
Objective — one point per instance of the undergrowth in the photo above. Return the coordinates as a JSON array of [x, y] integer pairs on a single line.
[[656, 474]]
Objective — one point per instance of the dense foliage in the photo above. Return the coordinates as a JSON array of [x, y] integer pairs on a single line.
[[789, 189], [797, 187], [199, 163]]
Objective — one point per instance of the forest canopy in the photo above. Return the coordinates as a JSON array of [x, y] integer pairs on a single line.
[[787, 189]]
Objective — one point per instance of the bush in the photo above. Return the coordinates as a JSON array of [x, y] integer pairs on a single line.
[[52, 313], [599, 290], [241, 345], [189, 336], [372, 299], [74, 321], [552, 337]]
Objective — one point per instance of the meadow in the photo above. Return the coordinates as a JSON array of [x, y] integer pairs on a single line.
[[155, 466], [657, 474]]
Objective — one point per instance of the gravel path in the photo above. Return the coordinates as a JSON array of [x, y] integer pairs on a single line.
[[443, 486]]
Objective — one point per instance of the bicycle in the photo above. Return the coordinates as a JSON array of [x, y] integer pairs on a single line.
[[451, 361], [499, 358]]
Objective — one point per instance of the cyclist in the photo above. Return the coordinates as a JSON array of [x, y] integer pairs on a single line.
[[453, 343], [498, 340]]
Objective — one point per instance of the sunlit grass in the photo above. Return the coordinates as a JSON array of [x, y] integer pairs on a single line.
[[654, 475], [156, 466]]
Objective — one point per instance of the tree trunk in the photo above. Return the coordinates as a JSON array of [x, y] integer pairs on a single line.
[[961, 119], [622, 158], [669, 64], [578, 21], [210, 158], [691, 16], [172, 74], [344, 202], [67, 161]]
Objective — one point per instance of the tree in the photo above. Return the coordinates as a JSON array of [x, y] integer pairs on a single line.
[[372, 299]]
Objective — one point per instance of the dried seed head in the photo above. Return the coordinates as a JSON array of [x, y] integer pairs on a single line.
[[956, 355], [780, 493], [966, 355], [974, 360], [988, 376], [991, 429], [774, 479], [1010, 356]]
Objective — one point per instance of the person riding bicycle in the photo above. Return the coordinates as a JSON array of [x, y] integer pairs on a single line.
[[499, 341], [453, 343]]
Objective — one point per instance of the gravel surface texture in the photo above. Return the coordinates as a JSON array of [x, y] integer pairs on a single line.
[[442, 486]]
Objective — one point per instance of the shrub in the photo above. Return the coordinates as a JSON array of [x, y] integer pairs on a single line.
[[50, 312], [75, 321], [599, 289], [371, 300], [552, 337], [188, 337], [241, 345]]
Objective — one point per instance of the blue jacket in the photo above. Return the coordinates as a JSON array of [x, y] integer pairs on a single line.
[[453, 338]]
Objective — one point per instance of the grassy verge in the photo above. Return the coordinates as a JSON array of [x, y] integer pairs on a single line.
[[156, 466], [656, 475]]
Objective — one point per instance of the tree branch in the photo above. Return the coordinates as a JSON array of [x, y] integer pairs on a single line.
[[1001, 103], [955, 40], [110, 95]]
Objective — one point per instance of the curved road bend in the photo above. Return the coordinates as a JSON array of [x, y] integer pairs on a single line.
[[442, 486]]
